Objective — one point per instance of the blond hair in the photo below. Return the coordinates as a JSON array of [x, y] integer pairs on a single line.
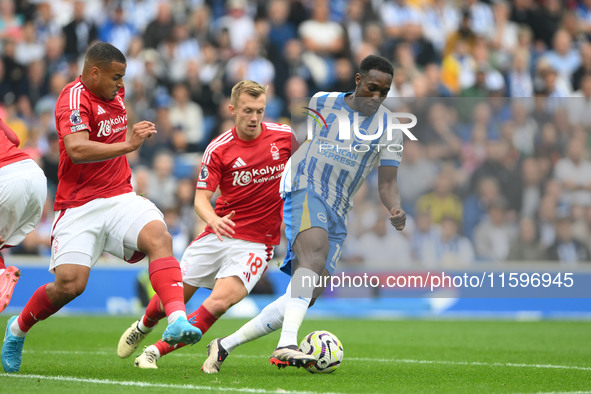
[[251, 88]]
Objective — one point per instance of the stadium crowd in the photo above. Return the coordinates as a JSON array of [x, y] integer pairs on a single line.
[[502, 90]]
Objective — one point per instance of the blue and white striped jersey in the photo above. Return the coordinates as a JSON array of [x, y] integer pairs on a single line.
[[333, 165]]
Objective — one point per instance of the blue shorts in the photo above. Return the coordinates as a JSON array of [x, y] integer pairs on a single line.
[[304, 209]]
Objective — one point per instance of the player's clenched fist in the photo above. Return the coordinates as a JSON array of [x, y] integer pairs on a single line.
[[398, 218], [140, 132]]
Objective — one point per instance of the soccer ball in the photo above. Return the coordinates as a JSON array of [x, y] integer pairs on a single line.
[[326, 347]]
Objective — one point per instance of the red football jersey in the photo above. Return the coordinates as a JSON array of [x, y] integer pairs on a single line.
[[9, 152], [78, 109], [248, 175]]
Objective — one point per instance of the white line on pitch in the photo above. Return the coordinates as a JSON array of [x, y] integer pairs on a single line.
[[360, 359], [145, 384]]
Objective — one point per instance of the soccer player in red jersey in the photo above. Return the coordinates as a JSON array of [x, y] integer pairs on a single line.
[[231, 254], [96, 209], [23, 190]]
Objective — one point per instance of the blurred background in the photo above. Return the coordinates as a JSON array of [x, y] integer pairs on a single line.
[[502, 89]]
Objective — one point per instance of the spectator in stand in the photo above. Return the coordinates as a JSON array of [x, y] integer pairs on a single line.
[[117, 30], [79, 33], [574, 174], [281, 29], [582, 225], [162, 185], [11, 24], [476, 205], [566, 249], [531, 190], [187, 116], [527, 247], [322, 36], [584, 68], [483, 21], [417, 165], [526, 128], [160, 28], [29, 49], [503, 38], [250, 65], [425, 241], [579, 107], [492, 237], [456, 250], [238, 24], [440, 20], [563, 58], [519, 80], [442, 202], [44, 21], [143, 11], [395, 16]]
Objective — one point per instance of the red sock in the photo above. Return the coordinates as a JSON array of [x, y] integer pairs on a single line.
[[2, 265], [165, 275], [201, 318], [153, 312], [164, 348], [38, 308]]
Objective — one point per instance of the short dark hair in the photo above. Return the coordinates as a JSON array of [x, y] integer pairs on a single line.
[[102, 54], [373, 62]]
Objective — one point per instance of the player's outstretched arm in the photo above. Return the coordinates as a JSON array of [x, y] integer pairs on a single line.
[[390, 195], [81, 149], [222, 226]]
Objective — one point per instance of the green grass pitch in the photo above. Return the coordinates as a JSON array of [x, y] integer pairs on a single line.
[[78, 355]]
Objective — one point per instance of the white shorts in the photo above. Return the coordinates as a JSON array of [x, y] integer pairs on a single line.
[[23, 191], [208, 259], [102, 225]]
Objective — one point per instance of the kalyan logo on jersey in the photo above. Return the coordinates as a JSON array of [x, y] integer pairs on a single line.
[[257, 175], [113, 125]]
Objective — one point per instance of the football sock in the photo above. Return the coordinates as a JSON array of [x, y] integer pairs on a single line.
[[153, 349], [201, 318], [38, 308], [166, 279], [269, 320], [296, 305], [164, 348], [152, 315]]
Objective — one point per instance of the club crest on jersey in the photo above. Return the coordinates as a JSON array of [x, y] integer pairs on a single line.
[[204, 173], [75, 117], [274, 152], [121, 102]]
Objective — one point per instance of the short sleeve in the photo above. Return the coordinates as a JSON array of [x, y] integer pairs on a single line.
[[210, 173]]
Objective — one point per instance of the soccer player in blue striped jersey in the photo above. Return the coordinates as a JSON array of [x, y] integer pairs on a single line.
[[349, 135]]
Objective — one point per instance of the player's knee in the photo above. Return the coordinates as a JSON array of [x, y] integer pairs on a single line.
[[157, 243], [70, 290], [220, 305]]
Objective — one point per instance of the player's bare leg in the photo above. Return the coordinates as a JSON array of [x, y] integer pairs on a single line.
[[311, 248], [70, 282], [166, 279], [135, 334], [225, 293]]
